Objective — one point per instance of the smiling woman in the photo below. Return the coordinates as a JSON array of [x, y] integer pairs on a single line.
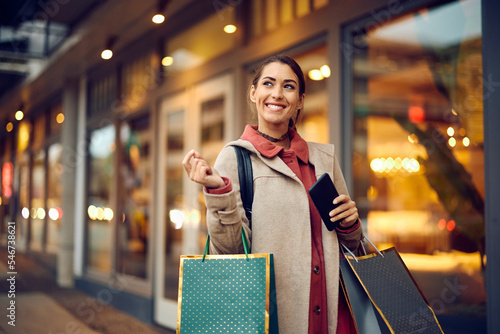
[[284, 168]]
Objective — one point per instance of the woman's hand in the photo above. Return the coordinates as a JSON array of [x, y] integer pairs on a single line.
[[200, 171], [346, 213]]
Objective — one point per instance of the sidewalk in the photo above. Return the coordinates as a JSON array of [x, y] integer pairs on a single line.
[[43, 307]]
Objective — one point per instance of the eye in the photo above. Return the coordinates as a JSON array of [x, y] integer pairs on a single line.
[[289, 86], [267, 83]]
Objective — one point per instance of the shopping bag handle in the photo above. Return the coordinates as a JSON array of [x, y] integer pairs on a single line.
[[354, 256], [243, 238]]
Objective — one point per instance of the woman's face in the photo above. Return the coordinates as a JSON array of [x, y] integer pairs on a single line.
[[276, 96]]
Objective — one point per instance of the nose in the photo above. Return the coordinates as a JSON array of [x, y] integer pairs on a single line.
[[277, 92]]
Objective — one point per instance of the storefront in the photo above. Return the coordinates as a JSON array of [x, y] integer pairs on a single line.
[[397, 86]]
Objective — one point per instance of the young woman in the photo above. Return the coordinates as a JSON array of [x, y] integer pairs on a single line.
[[285, 222]]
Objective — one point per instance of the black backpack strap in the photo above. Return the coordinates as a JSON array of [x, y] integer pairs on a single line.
[[246, 180]]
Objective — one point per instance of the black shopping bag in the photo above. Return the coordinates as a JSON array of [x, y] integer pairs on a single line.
[[227, 294], [383, 296]]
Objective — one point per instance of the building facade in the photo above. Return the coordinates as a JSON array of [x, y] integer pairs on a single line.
[[92, 175]]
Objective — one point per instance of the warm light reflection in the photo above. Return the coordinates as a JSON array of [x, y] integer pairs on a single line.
[[466, 142], [9, 127], [450, 225], [315, 75], [106, 54], [386, 165], [158, 18], [325, 71], [25, 212], [53, 214], [167, 61], [177, 217], [40, 212], [450, 131], [442, 224], [230, 29], [92, 211], [412, 138], [452, 142], [19, 115], [60, 118], [99, 213]]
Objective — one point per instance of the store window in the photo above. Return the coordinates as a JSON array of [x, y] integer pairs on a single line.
[[200, 43], [175, 201], [418, 159], [102, 94], [54, 195], [138, 77], [100, 213], [37, 207], [134, 196], [313, 120]]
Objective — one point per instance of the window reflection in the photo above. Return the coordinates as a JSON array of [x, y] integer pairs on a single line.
[[313, 122], [175, 217], [54, 192], [135, 199], [101, 170], [37, 207], [418, 144]]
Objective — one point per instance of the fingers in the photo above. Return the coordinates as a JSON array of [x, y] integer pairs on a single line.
[[346, 213], [186, 162]]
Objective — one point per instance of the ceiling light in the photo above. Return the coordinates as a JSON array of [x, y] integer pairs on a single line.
[[315, 75], [325, 71], [107, 53], [167, 61], [19, 115], [230, 28], [158, 18]]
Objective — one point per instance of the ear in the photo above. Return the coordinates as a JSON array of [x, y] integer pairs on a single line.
[[300, 104], [252, 93]]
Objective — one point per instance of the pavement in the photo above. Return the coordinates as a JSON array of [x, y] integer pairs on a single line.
[[31, 302]]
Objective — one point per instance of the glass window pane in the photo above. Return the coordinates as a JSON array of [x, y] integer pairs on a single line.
[[257, 14], [313, 120], [271, 13], [135, 196], [286, 11], [99, 211], [303, 7], [320, 3], [54, 192], [37, 207], [175, 212], [418, 157]]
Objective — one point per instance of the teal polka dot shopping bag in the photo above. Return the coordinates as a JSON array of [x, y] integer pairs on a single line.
[[227, 293]]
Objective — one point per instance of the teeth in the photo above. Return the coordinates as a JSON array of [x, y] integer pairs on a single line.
[[271, 106]]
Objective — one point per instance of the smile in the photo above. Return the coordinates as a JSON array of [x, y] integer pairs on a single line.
[[275, 107]]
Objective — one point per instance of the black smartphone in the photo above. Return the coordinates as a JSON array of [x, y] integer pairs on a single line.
[[323, 193]]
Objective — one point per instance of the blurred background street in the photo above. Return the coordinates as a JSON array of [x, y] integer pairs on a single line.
[[44, 308]]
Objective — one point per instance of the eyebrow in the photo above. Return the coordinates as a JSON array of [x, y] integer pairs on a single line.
[[273, 79]]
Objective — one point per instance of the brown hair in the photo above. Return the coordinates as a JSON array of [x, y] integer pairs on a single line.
[[295, 68]]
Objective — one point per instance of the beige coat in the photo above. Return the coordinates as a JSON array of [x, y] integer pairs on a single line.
[[281, 226]]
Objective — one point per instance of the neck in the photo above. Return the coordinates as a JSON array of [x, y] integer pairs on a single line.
[[279, 138]]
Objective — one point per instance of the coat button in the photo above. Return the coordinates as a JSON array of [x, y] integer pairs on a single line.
[[317, 310], [316, 270]]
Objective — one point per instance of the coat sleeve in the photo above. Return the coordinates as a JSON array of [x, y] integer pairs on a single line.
[[225, 212], [352, 239]]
